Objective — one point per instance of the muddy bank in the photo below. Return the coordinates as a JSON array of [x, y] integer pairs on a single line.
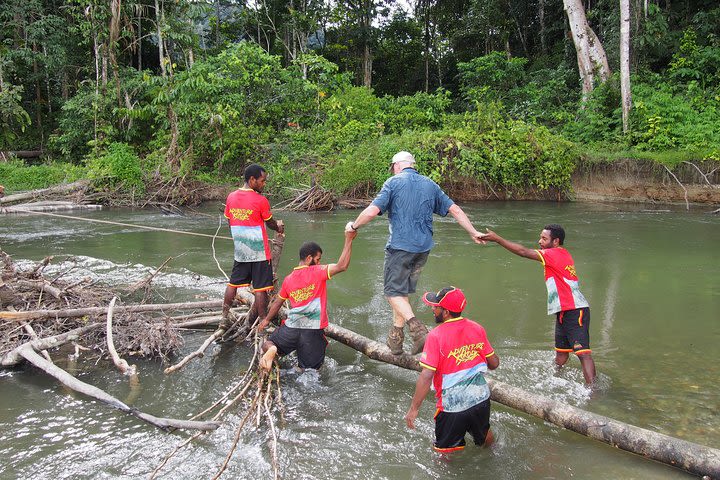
[[638, 181], [647, 181]]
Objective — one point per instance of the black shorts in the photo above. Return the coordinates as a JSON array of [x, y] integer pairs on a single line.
[[260, 274], [450, 428], [572, 331], [310, 344], [402, 270]]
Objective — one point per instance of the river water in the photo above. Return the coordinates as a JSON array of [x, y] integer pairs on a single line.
[[650, 273]]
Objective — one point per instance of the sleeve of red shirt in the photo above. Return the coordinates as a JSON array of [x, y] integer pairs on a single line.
[[548, 256], [265, 209], [430, 357], [227, 207], [487, 348], [283, 292]]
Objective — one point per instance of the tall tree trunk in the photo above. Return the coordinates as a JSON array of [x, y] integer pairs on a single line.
[[367, 66], [217, 24], [366, 26], [161, 48], [114, 36], [38, 93], [591, 57], [426, 20], [541, 19], [139, 42], [625, 62]]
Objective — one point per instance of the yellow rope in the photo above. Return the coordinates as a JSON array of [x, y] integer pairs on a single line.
[[119, 223]]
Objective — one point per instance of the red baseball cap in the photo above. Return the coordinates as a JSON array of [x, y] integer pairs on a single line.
[[449, 298]]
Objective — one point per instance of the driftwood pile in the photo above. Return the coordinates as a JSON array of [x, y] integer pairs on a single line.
[[83, 195], [316, 198], [31, 306]]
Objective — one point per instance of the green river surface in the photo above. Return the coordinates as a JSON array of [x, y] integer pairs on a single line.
[[650, 273]]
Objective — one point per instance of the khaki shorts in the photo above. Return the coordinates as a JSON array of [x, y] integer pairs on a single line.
[[402, 270]]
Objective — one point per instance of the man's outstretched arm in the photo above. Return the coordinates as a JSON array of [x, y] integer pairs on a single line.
[[344, 261], [463, 220], [370, 212], [515, 248]]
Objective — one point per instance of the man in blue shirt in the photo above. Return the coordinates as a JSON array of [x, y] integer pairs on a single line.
[[410, 199]]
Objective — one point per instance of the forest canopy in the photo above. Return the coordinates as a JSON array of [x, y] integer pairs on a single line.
[[503, 92]]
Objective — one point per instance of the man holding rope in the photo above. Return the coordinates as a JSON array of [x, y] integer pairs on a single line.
[[248, 213]]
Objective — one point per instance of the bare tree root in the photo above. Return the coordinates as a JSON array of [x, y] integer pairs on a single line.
[[29, 354], [200, 352], [120, 363], [687, 204]]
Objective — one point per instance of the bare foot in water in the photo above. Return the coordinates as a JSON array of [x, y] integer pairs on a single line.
[[267, 359]]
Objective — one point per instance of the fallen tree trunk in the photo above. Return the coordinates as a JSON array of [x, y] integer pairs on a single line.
[[29, 354], [59, 189], [375, 350], [22, 153], [81, 312], [691, 457], [48, 207]]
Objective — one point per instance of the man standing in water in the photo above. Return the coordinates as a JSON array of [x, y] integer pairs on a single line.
[[410, 200], [572, 311], [248, 212], [457, 353], [306, 288]]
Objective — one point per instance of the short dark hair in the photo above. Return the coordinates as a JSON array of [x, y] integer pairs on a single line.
[[253, 171], [309, 248], [454, 314], [556, 231]]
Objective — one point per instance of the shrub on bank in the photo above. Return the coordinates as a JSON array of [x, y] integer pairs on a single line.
[[16, 176], [510, 154], [119, 166]]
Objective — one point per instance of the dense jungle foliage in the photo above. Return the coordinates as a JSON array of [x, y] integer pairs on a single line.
[[327, 92]]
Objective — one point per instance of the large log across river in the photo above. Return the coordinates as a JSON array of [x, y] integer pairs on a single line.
[[691, 457]]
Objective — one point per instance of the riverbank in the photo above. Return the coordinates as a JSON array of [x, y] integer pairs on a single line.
[[622, 180]]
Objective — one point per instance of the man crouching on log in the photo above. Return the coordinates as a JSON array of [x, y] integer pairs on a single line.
[[455, 356], [572, 311], [306, 288]]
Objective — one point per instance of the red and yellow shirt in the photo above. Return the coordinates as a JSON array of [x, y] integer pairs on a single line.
[[561, 281], [456, 350], [247, 212], [306, 288]]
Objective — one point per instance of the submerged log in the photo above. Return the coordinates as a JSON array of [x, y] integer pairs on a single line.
[[691, 457]]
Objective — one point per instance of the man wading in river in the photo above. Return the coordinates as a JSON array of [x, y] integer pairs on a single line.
[[410, 199], [572, 311], [456, 355], [248, 212], [306, 288]]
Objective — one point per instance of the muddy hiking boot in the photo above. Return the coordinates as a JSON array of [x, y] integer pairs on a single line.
[[395, 340], [418, 333]]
